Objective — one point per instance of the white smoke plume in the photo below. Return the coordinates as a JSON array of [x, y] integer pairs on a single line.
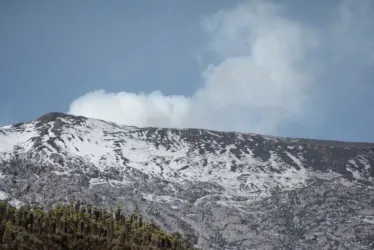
[[266, 68]]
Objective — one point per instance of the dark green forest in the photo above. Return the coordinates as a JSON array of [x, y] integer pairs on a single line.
[[82, 227]]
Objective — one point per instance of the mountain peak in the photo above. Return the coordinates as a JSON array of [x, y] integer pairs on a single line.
[[229, 190], [53, 116]]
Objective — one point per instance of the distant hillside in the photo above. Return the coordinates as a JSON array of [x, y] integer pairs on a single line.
[[227, 190]]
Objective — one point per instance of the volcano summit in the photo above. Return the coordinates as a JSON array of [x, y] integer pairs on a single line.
[[228, 190]]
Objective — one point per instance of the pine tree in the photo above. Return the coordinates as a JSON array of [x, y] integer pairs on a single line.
[[72, 226]]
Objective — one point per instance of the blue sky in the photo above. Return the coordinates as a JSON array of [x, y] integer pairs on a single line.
[[290, 68]]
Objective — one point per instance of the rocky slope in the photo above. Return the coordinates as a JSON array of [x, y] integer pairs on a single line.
[[229, 190]]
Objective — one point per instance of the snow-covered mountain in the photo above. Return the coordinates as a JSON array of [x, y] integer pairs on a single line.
[[229, 190]]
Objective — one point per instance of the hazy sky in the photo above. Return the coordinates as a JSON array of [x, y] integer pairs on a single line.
[[296, 68]]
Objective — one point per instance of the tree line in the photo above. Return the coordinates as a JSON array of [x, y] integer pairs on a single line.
[[82, 227]]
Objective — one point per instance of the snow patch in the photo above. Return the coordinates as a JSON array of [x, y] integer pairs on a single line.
[[355, 173], [211, 133], [3, 195]]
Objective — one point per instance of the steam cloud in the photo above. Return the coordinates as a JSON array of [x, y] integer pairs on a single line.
[[268, 65]]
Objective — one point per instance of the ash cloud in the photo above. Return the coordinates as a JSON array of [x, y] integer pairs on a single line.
[[266, 68]]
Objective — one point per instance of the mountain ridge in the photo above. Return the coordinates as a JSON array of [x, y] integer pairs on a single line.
[[224, 188], [51, 116]]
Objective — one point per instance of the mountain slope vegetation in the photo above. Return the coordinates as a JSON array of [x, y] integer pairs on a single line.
[[82, 228]]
